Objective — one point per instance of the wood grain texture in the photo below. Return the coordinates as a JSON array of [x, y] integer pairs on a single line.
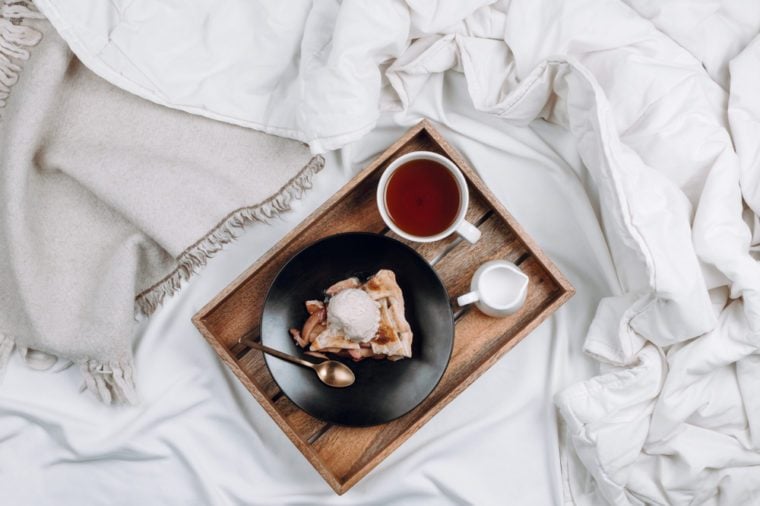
[[304, 424], [254, 366], [343, 455]]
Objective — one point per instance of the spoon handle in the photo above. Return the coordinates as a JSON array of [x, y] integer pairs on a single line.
[[277, 353]]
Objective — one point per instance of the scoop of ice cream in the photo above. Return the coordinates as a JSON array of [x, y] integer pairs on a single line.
[[355, 313]]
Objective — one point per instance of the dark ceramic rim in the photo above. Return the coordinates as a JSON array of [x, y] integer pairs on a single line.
[[440, 286]]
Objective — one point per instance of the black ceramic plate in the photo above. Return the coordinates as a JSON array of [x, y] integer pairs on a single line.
[[384, 390]]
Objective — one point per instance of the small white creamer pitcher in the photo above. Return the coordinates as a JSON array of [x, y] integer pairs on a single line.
[[498, 288]]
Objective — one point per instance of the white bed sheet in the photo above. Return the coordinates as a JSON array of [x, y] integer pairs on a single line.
[[198, 437]]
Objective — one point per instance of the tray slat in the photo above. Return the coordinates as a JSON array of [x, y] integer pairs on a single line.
[[303, 423], [253, 363], [343, 455]]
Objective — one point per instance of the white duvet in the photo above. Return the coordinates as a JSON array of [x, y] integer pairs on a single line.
[[662, 102]]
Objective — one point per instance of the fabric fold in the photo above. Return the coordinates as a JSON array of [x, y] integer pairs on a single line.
[[110, 203], [669, 144]]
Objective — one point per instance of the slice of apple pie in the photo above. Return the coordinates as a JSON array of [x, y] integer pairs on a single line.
[[359, 320]]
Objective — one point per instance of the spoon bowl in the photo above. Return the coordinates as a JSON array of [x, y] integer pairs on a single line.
[[335, 374]]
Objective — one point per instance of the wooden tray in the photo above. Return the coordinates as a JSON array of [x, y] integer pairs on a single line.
[[343, 455]]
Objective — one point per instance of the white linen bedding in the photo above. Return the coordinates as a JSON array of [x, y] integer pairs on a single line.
[[198, 437], [645, 189]]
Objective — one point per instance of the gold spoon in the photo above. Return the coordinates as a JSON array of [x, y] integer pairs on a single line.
[[330, 372]]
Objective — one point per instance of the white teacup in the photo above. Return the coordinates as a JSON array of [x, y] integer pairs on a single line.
[[498, 288], [459, 225]]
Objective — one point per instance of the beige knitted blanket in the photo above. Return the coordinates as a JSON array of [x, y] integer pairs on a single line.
[[109, 202]]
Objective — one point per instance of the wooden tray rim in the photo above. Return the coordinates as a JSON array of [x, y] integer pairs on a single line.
[[566, 292]]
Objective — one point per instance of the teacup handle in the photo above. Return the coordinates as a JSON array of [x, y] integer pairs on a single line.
[[468, 298], [469, 231]]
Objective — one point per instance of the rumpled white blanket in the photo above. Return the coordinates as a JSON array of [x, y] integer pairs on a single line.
[[661, 99]]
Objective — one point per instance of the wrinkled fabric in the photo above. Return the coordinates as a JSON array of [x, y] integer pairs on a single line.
[[663, 120], [108, 202], [211, 443]]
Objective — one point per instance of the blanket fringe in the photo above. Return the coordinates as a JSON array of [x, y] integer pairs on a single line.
[[111, 382], [15, 39], [197, 255]]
